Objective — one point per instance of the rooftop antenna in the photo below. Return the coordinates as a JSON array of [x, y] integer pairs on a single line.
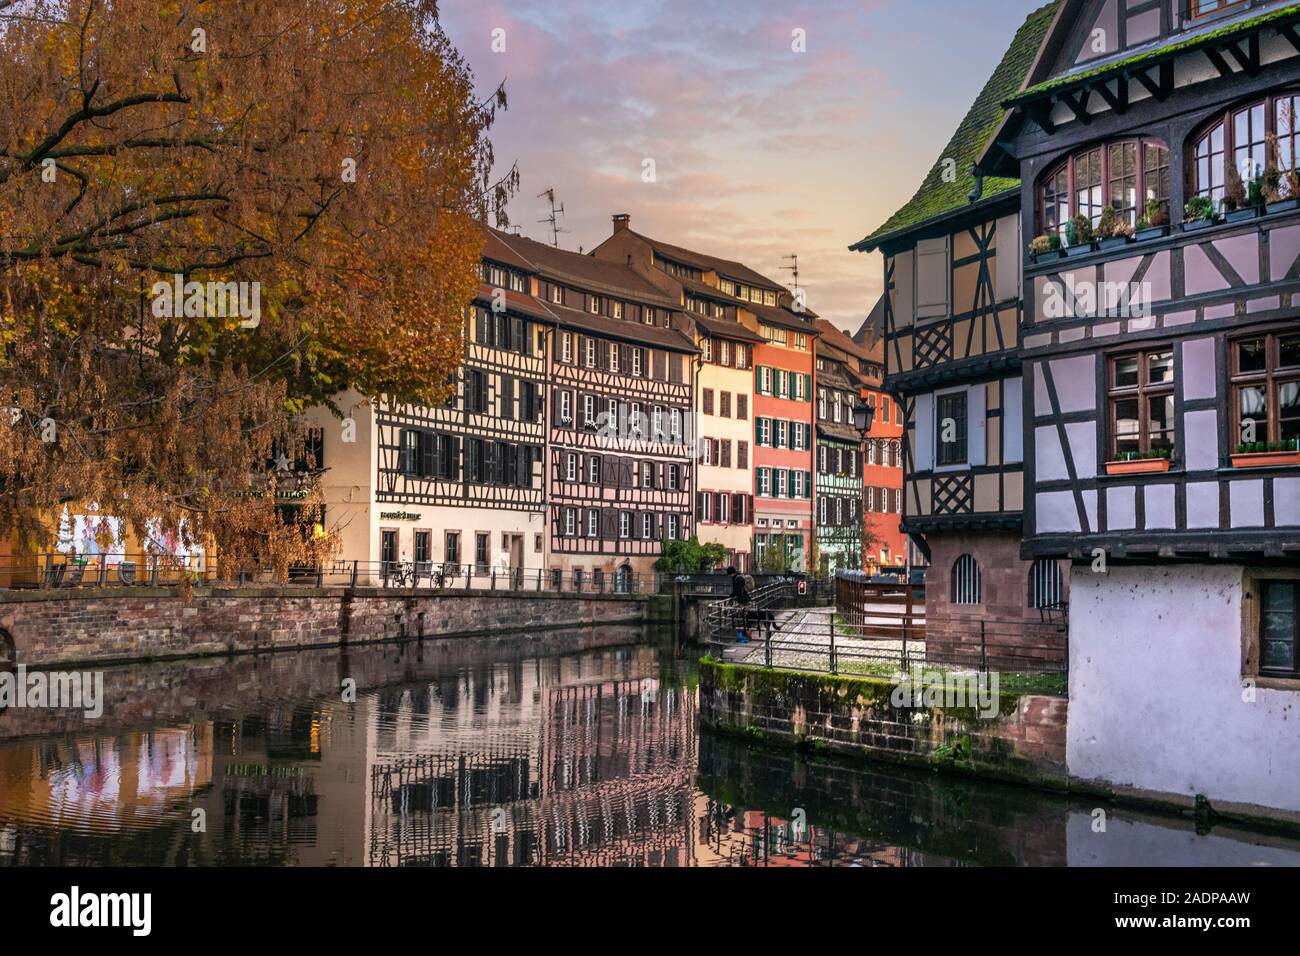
[[794, 258], [553, 220]]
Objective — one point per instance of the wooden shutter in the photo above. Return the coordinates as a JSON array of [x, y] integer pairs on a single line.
[[661, 365], [726, 453], [699, 506], [742, 455]]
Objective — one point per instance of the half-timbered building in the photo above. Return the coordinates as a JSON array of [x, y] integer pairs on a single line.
[[1161, 355], [456, 490], [752, 325], [837, 456], [951, 333], [619, 476]]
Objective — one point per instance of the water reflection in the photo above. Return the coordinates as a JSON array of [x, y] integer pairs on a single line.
[[467, 754]]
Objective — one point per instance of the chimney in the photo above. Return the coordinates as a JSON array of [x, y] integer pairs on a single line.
[[622, 221]]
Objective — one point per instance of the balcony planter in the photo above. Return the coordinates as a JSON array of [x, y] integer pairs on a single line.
[[1196, 225], [1137, 466], [1051, 256], [1151, 232], [1241, 215], [1265, 459], [1081, 249], [1282, 205], [1105, 245]]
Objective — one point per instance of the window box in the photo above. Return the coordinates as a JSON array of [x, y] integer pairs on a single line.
[[1113, 243], [1196, 225], [1050, 256], [1282, 205], [1241, 215], [1079, 249], [1265, 459], [1137, 466], [1151, 232]]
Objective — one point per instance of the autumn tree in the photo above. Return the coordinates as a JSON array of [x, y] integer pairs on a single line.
[[325, 159]]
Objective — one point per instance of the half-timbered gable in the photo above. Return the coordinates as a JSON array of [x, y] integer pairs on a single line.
[[951, 333], [1159, 351]]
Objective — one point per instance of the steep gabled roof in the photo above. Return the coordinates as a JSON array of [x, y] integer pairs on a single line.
[[583, 270], [937, 198], [698, 260], [836, 338], [875, 322]]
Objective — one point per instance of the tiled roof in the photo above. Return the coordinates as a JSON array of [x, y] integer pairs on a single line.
[[874, 321], [625, 329], [781, 318], [726, 328], [698, 260], [836, 338], [584, 270], [937, 198]]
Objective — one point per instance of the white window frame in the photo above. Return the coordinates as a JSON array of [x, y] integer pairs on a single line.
[[570, 467], [625, 524]]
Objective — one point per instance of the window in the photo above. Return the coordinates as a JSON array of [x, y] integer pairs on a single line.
[[557, 295], [724, 404], [782, 433], [647, 526], [637, 359], [567, 347], [765, 482], [590, 351], [708, 401], [742, 455], [1266, 388], [1202, 8], [742, 356], [1241, 136], [821, 404], [674, 477], [570, 467], [674, 530], [1046, 587], [1279, 613], [566, 408], [423, 547], [614, 352], [593, 469], [966, 585], [589, 411], [452, 552], [481, 546], [951, 426], [1141, 403], [1124, 175], [625, 524], [593, 523]]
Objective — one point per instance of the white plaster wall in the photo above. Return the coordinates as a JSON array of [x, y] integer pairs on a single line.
[[1156, 690]]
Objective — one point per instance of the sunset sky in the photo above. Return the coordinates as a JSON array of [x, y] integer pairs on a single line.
[[759, 151]]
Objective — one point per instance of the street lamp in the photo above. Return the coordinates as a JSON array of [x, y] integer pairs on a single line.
[[864, 416]]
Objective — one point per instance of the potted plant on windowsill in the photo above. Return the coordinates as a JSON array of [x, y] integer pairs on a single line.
[[1139, 462], [1078, 236], [1237, 204], [1281, 189], [1112, 232], [1155, 224], [1045, 247], [1198, 213], [1266, 454]]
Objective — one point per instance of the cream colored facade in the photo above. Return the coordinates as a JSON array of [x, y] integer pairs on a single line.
[[719, 472], [362, 515]]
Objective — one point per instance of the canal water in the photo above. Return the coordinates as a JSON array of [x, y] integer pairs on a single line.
[[469, 754]]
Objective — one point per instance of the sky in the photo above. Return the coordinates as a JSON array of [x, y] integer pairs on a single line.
[[759, 150]]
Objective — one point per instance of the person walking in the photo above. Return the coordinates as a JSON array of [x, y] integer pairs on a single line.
[[742, 594]]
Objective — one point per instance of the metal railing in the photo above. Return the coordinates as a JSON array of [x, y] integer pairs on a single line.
[[58, 571], [821, 641]]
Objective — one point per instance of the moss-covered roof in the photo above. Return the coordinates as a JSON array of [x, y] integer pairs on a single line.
[[1160, 53], [937, 197]]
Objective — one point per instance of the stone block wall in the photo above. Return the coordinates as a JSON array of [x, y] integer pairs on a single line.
[[53, 627], [853, 716]]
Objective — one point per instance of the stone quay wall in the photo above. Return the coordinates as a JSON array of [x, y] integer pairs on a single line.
[[856, 716], [62, 627]]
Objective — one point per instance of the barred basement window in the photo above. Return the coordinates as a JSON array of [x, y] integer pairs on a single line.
[[967, 587], [1046, 587]]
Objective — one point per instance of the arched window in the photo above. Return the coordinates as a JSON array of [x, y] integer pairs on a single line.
[[1125, 175], [1253, 137], [1046, 587], [967, 587]]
